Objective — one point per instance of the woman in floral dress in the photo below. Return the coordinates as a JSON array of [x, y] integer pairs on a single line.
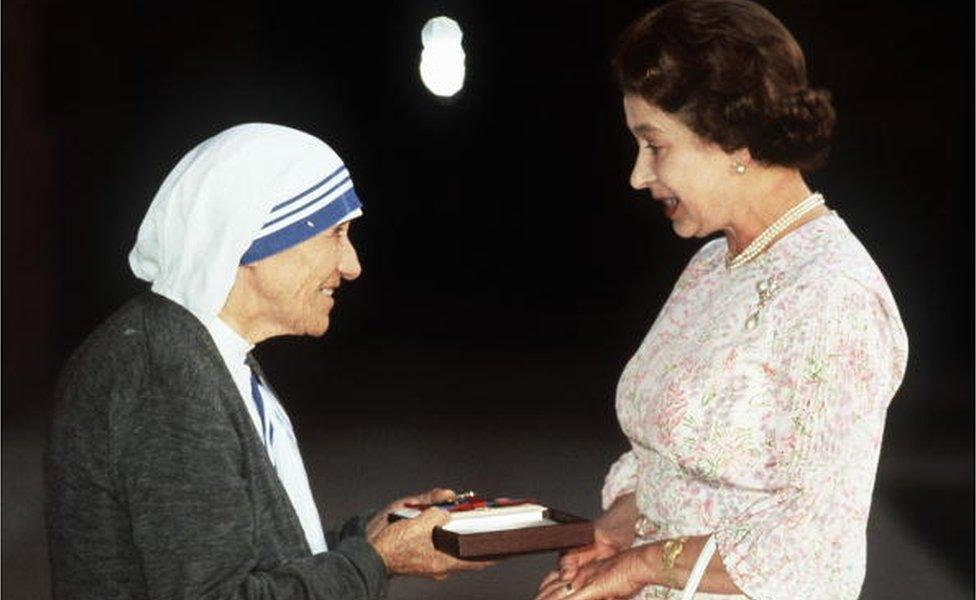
[[756, 404]]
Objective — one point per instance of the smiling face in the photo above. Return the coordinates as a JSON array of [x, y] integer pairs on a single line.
[[692, 178], [291, 292]]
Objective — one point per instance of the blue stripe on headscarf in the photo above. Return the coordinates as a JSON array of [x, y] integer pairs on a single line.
[[283, 216], [303, 228], [309, 190]]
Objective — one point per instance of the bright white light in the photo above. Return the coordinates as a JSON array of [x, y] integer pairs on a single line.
[[442, 59]]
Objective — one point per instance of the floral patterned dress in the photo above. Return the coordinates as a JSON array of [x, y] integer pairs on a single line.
[[755, 409]]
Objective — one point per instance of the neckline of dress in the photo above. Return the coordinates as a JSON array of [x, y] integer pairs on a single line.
[[792, 237]]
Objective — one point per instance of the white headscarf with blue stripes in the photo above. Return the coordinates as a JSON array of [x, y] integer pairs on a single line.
[[246, 193]]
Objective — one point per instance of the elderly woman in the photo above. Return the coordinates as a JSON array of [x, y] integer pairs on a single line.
[[172, 469], [755, 405]]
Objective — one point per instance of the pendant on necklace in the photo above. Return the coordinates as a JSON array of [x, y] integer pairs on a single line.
[[766, 288]]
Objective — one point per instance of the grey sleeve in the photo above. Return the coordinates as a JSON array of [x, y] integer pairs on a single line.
[[354, 527], [180, 470]]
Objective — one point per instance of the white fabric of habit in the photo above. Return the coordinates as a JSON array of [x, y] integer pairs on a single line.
[[283, 446], [206, 214]]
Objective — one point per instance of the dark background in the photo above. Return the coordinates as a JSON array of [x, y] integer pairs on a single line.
[[509, 271]]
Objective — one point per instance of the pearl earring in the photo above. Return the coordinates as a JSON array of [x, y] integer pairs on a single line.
[[738, 167]]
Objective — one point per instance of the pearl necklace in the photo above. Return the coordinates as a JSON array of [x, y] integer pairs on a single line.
[[764, 239]]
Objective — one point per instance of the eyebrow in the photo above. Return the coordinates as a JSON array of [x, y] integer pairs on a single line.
[[646, 128]]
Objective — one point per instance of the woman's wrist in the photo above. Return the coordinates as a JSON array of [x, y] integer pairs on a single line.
[[660, 562], [617, 523], [650, 559]]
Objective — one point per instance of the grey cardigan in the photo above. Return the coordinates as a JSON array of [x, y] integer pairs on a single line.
[[157, 485]]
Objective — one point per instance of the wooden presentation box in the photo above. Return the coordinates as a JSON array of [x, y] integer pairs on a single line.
[[569, 531]]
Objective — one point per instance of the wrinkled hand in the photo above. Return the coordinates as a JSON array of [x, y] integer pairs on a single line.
[[380, 521], [570, 562], [406, 546], [622, 575]]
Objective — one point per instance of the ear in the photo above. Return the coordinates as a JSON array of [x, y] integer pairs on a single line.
[[742, 156]]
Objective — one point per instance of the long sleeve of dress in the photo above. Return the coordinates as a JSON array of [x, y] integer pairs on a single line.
[[180, 472], [833, 370]]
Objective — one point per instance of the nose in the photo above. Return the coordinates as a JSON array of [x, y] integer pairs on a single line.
[[349, 266], [642, 175]]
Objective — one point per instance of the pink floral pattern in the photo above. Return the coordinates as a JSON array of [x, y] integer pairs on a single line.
[[768, 435]]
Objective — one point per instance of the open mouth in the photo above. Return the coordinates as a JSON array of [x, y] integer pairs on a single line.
[[670, 204], [326, 290]]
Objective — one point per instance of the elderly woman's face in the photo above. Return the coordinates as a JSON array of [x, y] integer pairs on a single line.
[[295, 286], [686, 174]]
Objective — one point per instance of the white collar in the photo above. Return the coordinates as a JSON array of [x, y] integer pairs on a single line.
[[232, 346]]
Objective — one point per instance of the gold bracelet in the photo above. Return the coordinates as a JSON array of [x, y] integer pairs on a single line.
[[670, 552]]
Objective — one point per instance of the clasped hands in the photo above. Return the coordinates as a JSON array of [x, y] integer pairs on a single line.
[[609, 568], [407, 547], [600, 571]]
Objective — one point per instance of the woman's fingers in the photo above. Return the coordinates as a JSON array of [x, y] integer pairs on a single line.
[[554, 591], [570, 578], [568, 573], [589, 591], [571, 559], [552, 576], [563, 587], [545, 591]]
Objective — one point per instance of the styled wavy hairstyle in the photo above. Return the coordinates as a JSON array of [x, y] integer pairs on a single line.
[[731, 72]]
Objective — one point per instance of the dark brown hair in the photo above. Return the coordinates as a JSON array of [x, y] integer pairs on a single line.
[[734, 74]]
